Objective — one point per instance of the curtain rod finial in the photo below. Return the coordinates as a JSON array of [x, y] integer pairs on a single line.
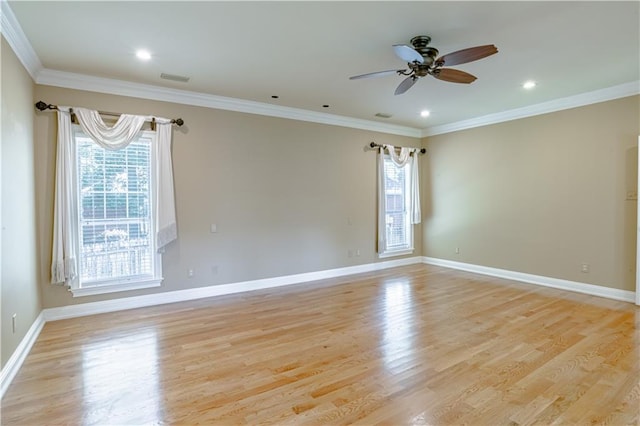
[[42, 106], [178, 121]]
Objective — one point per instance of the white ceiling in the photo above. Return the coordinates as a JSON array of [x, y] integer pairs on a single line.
[[304, 52]]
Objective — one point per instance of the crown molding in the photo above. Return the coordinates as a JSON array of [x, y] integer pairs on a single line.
[[69, 80], [601, 95], [146, 91], [18, 41], [12, 32]]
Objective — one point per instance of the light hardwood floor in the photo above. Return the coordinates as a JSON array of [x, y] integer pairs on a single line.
[[412, 345]]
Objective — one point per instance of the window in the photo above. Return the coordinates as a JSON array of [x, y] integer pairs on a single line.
[[114, 209], [117, 249], [399, 233], [395, 226]]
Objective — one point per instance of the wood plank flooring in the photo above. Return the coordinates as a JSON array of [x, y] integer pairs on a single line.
[[406, 346]]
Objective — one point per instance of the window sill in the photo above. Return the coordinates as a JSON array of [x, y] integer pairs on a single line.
[[115, 287], [394, 253]]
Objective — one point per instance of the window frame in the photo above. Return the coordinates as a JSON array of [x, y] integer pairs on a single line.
[[123, 283], [408, 247]]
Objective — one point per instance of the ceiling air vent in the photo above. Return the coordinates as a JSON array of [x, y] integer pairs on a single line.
[[174, 77], [383, 115]]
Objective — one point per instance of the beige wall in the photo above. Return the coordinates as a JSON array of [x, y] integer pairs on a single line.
[[287, 196], [540, 195], [19, 265]]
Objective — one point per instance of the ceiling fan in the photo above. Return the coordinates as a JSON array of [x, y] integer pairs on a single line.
[[421, 60]]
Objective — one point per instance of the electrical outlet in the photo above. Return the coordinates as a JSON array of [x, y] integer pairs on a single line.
[[457, 250], [190, 273], [357, 252], [585, 268]]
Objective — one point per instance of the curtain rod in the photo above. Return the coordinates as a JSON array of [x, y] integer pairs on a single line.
[[377, 145], [43, 106]]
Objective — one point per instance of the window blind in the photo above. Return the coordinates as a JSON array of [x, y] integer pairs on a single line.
[[115, 210], [396, 184]]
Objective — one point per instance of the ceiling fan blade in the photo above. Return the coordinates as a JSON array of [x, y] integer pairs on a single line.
[[454, 76], [407, 53], [406, 85], [467, 55], [375, 74]]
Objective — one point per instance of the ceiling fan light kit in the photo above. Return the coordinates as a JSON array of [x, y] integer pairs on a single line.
[[423, 60]]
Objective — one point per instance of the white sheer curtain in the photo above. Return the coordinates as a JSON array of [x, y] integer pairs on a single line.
[[166, 230], [112, 138], [400, 159], [64, 263], [416, 213], [382, 211]]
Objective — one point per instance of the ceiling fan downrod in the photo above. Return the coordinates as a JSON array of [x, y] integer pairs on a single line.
[[421, 45]]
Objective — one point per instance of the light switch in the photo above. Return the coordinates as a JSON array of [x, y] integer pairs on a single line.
[[213, 228]]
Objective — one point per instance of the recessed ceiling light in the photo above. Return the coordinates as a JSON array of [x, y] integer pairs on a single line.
[[529, 84], [143, 55], [425, 113]]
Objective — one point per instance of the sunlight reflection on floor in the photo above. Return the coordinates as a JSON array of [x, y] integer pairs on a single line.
[[121, 379], [398, 335]]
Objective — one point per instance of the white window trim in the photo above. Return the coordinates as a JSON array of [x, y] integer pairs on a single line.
[[410, 248], [393, 253], [115, 286], [124, 283]]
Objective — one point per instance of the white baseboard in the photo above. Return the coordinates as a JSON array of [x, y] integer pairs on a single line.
[[72, 311], [14, 363], [92, 308], [593, 290]]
